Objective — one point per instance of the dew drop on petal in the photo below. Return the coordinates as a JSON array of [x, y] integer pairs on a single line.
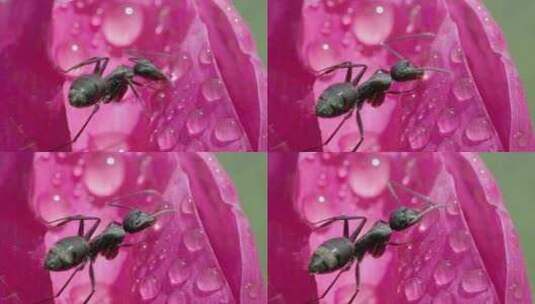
[[212, 89], [194, 239], [456, 55], [177, 297], [458, 241], [181, 67], [179, 272], [444, 273], [316, 208], [197, 122], [209, 280], [368, 177], [104, 174], [52, 206], [418, 138], [463, 89], [167, 139], [414, 289], [478, 130], [149, 288], [70, 54], [252, 290], [205, 55], [321, 55], [448, 121], [373, 22], [227, 130], [122, 24], [474, 281]]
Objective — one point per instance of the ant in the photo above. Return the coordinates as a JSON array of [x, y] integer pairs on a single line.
[[340, 253], [93, 89], [343, 97], [74, 252]]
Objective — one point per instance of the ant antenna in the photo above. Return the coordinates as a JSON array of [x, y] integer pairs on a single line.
[[114, 201], [386, 44], [431, 208], [414, 193], [435, 69], [163, 211]]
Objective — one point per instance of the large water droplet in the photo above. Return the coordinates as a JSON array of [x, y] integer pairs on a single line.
[[179, 272], [448, 121], [474, 281], [373, 23], [149, 288], [197, 122], [478, 130], [70, 54], [209, 280], [458, 241], [463, 89], [52, 206], [122, 24], [321, 55], [205, 56], [456, 55], [167, 139], [104, 173], [252, 290], [227, 130], [316, 208], [414, 289], [418, 138], [181, 67], [212, 89], [177, 297], [194, 239], [369, 176], [444, 273]]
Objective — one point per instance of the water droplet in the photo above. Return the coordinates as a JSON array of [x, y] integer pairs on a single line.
[[448, 121], [197, 122], [474, 281], [104, 174], [194, 239], [181, 67], [418, 138], [122, 24], [373, 23], [369, 176], [321, 55], [209, 280], [252, 290], [463, 89], [177, 297], [227, 130], [70, 54], [443, 297], [167, 139], [52, 206], [212, 89], [517, 292], [478, 130], [458, 241], [205, 56], [316, 208], [444, 273], [456, 55], [149, 288], [179, 272], [414, 289]]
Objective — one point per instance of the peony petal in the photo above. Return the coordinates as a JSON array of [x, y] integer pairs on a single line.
[[468, 250], [202, 253], [215, 100], [478, 106]]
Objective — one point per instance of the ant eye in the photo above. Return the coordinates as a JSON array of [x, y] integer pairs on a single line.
[[403, 218]]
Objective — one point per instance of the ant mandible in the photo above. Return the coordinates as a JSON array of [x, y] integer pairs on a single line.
[[343, 97], [74, 252], [340, 253], [93, 89]]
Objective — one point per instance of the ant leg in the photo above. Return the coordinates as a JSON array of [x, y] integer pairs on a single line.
[[348, 115], [357, 283], [89, 61], [387, 46], [357, 231], [92, 277], [410, 191], [344, 65], [95, 110], [361, 131], [64, 285], [81, 218], [346, 268], [330, 220], [357, 79]]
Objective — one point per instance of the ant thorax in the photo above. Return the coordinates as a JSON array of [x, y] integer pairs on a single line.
[[108, 241]]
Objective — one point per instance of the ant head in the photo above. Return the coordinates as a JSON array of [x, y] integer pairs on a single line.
[[146, 69], [333, 101], [137, 220], [404, 70], [403, 218]]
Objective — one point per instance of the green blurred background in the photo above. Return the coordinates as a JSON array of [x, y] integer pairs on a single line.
[[255, 13], [248, 171], [515, 176], [516, 18]]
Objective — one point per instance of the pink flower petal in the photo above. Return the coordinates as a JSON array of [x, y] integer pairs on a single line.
[[203, 252], [466, 251], [479, 106], [214, 102]]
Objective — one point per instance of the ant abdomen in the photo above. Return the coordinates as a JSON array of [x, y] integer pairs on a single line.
[[336, 100], [331, 256]]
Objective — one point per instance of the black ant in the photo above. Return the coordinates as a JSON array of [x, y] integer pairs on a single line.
[[343, 97], [92, 89], [76, 251], [340, 253]]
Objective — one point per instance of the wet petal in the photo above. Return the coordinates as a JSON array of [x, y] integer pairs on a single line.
[[478, 106], [467, 250], [201, 252]]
